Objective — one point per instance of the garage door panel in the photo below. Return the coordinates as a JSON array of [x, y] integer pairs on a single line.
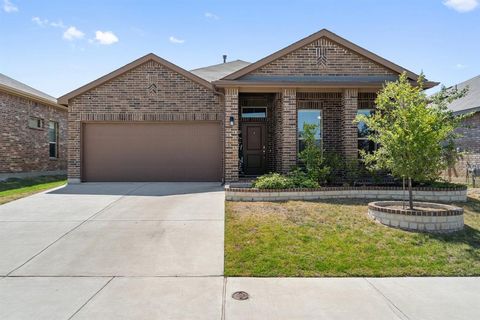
[[180, 151]]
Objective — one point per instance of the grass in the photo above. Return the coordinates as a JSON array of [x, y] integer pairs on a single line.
[[310, 239], [13, 189]]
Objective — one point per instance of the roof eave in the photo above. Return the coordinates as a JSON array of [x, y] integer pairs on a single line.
[[32, 97]]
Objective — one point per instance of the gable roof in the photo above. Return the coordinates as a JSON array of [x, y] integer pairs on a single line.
[[15, 87], [320, 34], [218, 71], [132, 65], [471, 101]]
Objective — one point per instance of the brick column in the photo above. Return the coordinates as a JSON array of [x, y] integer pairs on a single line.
[[231, 135], [349, 112], [288, 135], [74, 156]]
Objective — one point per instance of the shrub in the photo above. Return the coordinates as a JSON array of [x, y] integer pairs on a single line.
[[273, 181], [301, 180], [312, 155]]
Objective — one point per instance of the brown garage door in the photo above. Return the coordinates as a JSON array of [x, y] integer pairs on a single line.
[[176, 151]]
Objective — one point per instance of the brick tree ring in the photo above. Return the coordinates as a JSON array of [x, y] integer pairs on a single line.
[[425, 217]]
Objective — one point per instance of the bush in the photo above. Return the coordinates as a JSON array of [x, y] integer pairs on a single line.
[[295, 179], [301, 180], [273, 181], [312, 155]]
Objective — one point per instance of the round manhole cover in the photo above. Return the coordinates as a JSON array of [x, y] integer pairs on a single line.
[[240, 295]]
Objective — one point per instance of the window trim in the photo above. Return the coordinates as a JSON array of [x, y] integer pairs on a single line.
[[56, 126], [37, 120], [320, 127], [253, 107]]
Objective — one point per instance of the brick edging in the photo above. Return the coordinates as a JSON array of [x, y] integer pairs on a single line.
[[237, 189], [447, 209]]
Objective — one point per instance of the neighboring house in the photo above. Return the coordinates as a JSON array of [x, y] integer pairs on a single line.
[[469, 143], [154, 121], [33, 132]]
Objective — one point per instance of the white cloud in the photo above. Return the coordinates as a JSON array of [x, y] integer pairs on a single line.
[[47, 23], [73, 33], [9, 7], [460, 66], [461, 5], [105, 37], [175, 40], [210, 15]]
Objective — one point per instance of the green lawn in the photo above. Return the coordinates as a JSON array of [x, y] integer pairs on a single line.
[[307, 239], [13, 189]]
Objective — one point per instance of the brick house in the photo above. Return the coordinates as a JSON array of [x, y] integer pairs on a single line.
[[33, 133], [469, 143], [154, 121]]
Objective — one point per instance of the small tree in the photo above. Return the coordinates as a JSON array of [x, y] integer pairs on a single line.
[[312, 155], [414, 133]]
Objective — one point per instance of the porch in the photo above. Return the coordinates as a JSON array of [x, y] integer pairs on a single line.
[[263, 129]]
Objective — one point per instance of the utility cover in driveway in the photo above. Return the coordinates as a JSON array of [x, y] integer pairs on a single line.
[[169, 151]]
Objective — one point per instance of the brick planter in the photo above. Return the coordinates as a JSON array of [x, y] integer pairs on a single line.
[[437, 218], [381, 193]]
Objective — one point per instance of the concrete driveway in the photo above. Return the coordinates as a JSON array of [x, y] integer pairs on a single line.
[[58, 249], [155, 251]]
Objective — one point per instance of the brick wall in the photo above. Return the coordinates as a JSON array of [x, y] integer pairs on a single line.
[[340, 62], [231, 135], [470, 144], [349, 128], [288, 131], [149, 92], [23, 149]]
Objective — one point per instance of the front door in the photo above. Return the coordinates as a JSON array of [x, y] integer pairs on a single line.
[[254, 148]]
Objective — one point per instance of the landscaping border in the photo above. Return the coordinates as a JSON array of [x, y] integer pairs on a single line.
[[439, 217], [453, 194]]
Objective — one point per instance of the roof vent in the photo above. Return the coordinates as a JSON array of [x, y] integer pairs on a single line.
[[224, 58]]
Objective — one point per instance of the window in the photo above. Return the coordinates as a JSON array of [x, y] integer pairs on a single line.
[[53, 139], [363, 142], [309, 116], [254, 112], [35, 123]]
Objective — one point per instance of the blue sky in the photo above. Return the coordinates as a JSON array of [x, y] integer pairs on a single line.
[[57, 46]]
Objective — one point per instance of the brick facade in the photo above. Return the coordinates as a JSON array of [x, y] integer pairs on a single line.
[[231, 135], [349, 128], [24, 149], [150, 92], [340, 62], [469, 143], [288, 131]]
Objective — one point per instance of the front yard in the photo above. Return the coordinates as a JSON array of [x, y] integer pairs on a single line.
[[336, 239], [13, 189]]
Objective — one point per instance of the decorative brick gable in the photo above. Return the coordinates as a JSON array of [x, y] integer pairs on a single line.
[[322, 57], [149, 92]]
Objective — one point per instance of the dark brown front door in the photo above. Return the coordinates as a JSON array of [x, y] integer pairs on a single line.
[[254, 148]]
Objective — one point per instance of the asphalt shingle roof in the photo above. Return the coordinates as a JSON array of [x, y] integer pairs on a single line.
[[17, 85], [218, 71], [470, 102]]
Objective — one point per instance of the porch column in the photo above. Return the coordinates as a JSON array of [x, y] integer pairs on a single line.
[[231, 135], [349, 112], [288, 129]]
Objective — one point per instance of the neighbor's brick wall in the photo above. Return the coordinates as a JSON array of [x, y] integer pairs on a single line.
[[470, 144], [23, 149], [150, 92], [340, 62]]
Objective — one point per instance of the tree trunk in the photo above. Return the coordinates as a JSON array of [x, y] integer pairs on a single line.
[[410, 194]]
